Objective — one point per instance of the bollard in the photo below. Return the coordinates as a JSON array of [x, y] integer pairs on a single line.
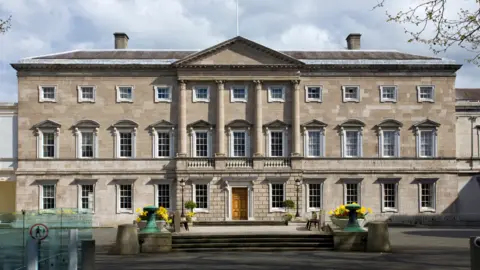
[[72, 249], [32, 254], [176, 221], [88, 255], [475, 253]]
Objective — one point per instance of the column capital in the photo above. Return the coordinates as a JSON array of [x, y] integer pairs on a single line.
[[182, 82], [257, 82], [219, 81], [295, 83]]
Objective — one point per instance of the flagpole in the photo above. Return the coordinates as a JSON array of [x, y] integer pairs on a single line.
[[238, 30]]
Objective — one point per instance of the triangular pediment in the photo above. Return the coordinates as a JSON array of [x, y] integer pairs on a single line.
[[200, 124], [427, 123], [87, 124], [162, 124], [314, 124], [47, 124], [276, 124], [238, 51], [390, 123], [239, 123], [352, 123], [125, 124]]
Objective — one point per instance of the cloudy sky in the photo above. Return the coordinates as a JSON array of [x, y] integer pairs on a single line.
[[48, 26]]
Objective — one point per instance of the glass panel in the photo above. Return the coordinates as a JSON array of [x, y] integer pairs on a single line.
[[276, 93], [314, 143], [351, 143], [87, 144], [201, 196], [277, 195], [388, 92], [126, 197], [48, 196], [313, 92], [202, 93], [426, 92], [48, 92], [389, 143], [87, 93], [352, 193], [351, 92], [239, 144], [163, 144], [163, 195], [276, 144], [163, 93], [239, 93], [389, 196], [427, 195], [125, 92], [426, 143], [87, 197], [201, 144], [126, 144], [48, 144], [315, 195]]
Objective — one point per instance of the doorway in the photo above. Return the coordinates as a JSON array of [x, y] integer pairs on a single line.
[[239, 203]]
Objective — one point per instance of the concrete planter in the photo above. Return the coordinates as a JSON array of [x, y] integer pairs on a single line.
[[161, 224], [342, 222]]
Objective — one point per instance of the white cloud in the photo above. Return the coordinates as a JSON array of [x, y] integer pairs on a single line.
[[49, 26]]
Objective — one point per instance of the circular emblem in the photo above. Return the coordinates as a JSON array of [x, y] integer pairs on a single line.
[[39, 231]]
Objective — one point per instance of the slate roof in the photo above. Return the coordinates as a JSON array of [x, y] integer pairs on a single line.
[[172, 54], [467, 94]]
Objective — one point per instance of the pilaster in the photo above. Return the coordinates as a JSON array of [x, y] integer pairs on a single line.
[[296, 138], [220, 151], [182, 119], [259, 150]]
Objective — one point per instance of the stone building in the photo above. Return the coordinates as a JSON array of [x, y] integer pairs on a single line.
[[8, 157], [242, 125]]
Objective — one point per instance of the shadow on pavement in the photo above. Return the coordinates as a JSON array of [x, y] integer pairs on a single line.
[[446, 233]]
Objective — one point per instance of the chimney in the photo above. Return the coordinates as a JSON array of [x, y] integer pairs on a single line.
[[121, 40], [353, 41]]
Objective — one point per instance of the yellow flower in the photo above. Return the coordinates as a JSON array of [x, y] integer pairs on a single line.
[[138, 210], [354, 203], [346, 210], [330, 213], [369, 210], [342, 207], [138, 219]]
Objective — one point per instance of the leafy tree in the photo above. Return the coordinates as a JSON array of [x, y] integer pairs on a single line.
[[5, 24], [428, 15]]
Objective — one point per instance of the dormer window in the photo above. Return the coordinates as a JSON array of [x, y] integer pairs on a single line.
[[47, 93], [351, 93], [125, 93], [47, 133], [352, 138], [125, 133]]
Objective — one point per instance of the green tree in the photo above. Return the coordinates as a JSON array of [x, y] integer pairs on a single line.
[[427, 22], [5, 24]]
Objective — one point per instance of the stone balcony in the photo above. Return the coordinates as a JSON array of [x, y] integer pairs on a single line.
[[255, 164]]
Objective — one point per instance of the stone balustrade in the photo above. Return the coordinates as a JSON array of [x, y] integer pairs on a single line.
[[239, 163], [201, 163], [277, 162]]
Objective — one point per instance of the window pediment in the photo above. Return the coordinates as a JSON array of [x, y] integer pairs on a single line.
[[86, 124], [352, 123], [201, 124], [125, 124], [276, 124], [314, 124], [162, 124], [239, 123], [427, 123], [47, 124], [390, 123]]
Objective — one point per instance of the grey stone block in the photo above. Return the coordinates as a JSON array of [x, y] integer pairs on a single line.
[[127, 240], [378, 237]]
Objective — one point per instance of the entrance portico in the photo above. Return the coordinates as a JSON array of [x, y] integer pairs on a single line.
[[238, 189]]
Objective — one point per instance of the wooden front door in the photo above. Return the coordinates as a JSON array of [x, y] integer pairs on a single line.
[[239, 203]]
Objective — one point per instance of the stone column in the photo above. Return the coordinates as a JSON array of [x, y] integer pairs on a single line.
[[258, 120], [220, 120], [296, 138], [182, 119]]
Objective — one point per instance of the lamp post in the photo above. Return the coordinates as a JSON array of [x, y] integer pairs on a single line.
[[182, 183], [297, 183]]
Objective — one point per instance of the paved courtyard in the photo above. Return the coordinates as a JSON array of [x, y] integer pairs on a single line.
[[414, 248]]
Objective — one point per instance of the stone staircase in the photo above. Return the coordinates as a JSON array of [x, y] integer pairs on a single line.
[[251, 242], [239, 223]]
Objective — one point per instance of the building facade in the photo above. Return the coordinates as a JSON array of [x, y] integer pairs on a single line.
[[8, 157], [242, 125]]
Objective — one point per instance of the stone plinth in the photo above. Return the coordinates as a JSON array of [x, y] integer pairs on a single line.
[[155, 242], [127, 240], [349, 241], [378, 238]]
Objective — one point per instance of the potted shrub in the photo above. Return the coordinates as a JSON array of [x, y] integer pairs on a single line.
[[339, 216], [190, 205], [162, 218], [288, 204]]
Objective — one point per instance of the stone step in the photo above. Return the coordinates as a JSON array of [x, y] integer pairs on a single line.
[[251, 236], [240, 223], [252, 244], [252, 240], [251, 249]]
